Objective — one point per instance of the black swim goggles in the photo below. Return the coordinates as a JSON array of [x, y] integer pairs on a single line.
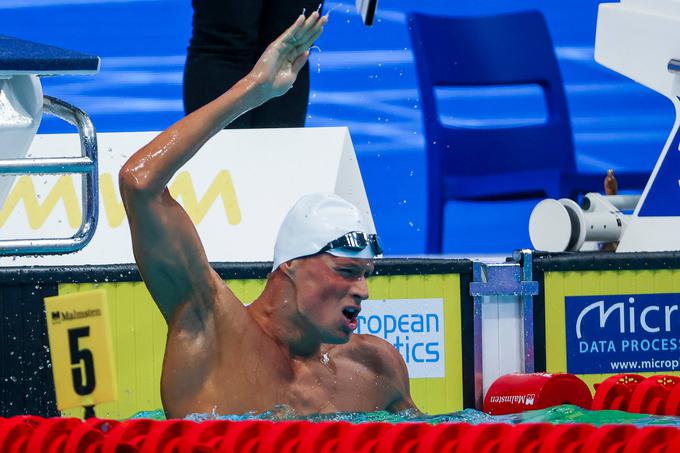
[[355, 241]]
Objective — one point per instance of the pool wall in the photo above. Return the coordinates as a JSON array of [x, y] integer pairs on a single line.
[[594, 315]]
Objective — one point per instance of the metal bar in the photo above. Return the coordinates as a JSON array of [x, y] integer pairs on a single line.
[[516, 289], [528, 313], [90, 189], [44, 166], [478, 275], [674, 66], [623, 202]]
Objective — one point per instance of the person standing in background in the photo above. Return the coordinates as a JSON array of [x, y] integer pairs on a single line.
[[227, 39]]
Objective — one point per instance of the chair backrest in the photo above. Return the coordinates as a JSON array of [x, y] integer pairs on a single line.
[[508, 49]]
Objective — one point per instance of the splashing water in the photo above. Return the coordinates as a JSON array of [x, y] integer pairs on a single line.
[[328, 13], [557, 414]]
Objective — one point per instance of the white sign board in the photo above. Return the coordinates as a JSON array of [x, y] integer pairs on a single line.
[[414, 326], [237, 189]]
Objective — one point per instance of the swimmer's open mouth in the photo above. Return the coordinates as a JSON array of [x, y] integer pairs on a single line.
[[351, 313]]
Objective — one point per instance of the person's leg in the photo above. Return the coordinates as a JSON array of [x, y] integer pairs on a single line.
[[223, 48], [290, 109]]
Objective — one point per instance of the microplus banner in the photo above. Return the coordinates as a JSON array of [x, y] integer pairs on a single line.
[[414, 326], [623, 333]]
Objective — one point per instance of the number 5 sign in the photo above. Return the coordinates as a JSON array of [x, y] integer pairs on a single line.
[[80, 345]]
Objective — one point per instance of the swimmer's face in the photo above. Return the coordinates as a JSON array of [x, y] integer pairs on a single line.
[[329, 293]]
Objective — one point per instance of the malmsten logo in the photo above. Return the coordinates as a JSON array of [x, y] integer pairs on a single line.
[[58, 316]]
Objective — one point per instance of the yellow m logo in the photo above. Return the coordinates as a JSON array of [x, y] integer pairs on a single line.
[[182, 188]]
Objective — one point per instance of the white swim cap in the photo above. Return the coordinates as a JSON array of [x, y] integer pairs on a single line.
[[317, 219]]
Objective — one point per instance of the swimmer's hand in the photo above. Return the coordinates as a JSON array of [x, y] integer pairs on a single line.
[[276, 70]]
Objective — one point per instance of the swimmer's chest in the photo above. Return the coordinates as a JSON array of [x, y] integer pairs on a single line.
[[340, 385], [332, 383]]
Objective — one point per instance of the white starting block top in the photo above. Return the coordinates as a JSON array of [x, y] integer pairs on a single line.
[[237, 190], [21, 95]]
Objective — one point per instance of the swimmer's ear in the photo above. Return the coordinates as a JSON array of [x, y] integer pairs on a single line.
[[289, 267]]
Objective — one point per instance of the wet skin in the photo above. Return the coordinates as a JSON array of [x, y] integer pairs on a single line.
[[293, 345]]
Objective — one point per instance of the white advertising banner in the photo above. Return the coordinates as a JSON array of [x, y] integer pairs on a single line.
[[237, 190], [414, 326]]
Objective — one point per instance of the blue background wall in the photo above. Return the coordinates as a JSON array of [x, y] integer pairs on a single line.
[[363, 78]]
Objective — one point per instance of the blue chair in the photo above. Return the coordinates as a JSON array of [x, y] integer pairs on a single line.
[[502, 163]]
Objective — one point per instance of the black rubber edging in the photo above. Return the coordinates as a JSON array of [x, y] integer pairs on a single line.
[[604, 261], [242, 270]]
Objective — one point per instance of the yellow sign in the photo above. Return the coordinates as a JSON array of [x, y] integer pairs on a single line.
[[81, 349], [220, 191]]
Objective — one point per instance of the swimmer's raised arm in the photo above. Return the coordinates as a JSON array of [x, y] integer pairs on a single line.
[[166, 245]]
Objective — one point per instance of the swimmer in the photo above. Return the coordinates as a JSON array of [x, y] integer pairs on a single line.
[[294, 345]]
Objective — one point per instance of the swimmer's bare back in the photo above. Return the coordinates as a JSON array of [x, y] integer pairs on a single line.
[[224, 357]]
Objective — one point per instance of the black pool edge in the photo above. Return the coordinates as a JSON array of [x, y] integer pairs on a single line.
[[240, 270]]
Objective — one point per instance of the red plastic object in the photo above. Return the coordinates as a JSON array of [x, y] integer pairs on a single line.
[[484, 438], [403, 437], [614, 392], [652, 439], [443, 437], [650, 395], [363, 438], [283, 437], [204, 437], [128, 436], [245, 436], [672, 405], [566, 438], [88, 436], [515, 393], [673, 444], [16, 431], [164, 437], [608, 439], [323, 437], [51, 434], [524, 438]]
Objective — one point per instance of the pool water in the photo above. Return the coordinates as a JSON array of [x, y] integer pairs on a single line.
[[557, 414]]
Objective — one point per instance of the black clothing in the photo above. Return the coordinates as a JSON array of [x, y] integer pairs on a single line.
[[228, 38]]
